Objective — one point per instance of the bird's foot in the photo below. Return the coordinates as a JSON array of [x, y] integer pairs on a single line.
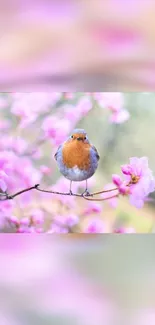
[[86, 193], [70, 192]]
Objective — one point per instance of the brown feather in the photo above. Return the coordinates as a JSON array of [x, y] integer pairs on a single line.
[[76, 153]]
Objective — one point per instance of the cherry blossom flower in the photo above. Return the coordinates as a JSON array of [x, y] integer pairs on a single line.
[[140, 178], [138, 181]]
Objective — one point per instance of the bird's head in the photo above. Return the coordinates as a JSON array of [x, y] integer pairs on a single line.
[[79, 135]]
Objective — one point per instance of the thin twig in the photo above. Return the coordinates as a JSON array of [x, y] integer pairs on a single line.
[[106, 191], [103, 199]]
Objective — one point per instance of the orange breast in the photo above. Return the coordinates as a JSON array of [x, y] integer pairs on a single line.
[[76, 154]]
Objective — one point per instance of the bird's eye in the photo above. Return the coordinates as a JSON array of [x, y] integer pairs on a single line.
[[72, 136], [85, 138]]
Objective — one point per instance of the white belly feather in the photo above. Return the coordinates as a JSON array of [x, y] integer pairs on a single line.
[[76, 174]]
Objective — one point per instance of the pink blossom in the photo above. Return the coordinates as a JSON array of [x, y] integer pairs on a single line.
[[14, 220], [84, 106], [92, 207], [37, 217], [5, 161], [141, 180], [45, 170], [55, 229], [77, 112], [56, 129], [6, 211], [19, 145], [95, 226], [69, 220], [114, 102], [27, 105], [122, 186], [116, 179], [20, 172], [3, 181], [71, 113], [30, 224], [3, 186], [124, 189], [26, 230], [138, 181], [16, 144], [120, 116], [25, 222], [126, 170], [37, 153], [5, 124]]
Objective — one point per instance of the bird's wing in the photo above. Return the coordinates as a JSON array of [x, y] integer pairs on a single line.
[[55, 156], [96, 152]]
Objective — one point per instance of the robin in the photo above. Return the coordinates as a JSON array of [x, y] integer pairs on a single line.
[[77, 159]]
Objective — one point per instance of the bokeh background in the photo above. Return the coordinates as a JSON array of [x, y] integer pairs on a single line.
[[83, 45], [99, 279], [33, 126]]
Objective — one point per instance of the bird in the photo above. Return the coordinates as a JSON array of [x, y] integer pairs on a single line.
[[77, 158]]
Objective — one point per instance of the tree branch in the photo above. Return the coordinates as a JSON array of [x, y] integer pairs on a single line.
[[5, 196], [11, 197]]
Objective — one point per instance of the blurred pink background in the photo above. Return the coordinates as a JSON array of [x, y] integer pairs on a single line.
[[77, 45], [85, 280]]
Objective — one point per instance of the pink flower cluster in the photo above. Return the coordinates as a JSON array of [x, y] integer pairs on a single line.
[[16, 173], [64, 224], [32, 224], [138, 181], [114, 102], [27, 106], [57, 127]]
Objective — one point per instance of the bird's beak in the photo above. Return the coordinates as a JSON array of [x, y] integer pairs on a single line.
[[79, 139]]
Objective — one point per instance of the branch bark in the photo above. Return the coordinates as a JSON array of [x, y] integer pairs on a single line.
[[6, 196]]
